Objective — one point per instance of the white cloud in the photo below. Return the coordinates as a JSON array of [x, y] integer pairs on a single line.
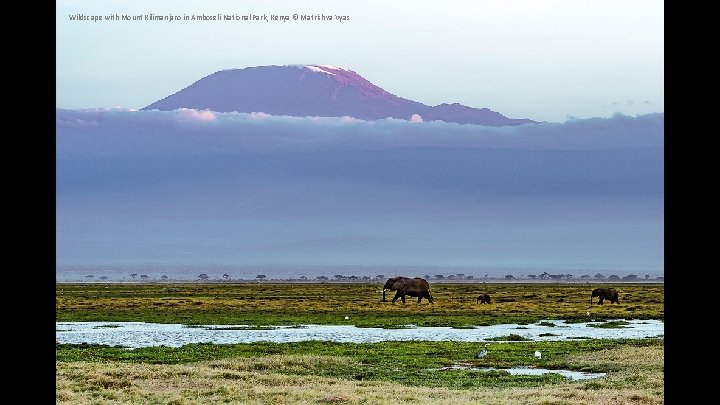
[[200, 115], [186, 131], [259, 115], [416, 118]]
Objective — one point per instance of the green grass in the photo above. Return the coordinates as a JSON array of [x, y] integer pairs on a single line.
[[412, 363], [509, 338], [323, 372], [610, 325], [329, 304]]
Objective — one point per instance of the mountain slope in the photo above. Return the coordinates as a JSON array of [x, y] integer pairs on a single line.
[[314, 90]]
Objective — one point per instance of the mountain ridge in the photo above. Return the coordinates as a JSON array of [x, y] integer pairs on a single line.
[[315, 90]]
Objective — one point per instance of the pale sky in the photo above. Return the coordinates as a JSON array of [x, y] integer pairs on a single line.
[[538, 59]]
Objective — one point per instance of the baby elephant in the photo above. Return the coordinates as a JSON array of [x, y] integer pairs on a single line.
[[605, 294], [483, 298]]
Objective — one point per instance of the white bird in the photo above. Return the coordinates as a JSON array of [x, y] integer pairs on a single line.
[[481, 354], [588, 313], [537, 355], [347, 317]]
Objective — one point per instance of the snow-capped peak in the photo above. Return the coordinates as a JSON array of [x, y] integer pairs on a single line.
[[327, 69], [314, 90], [318, 69], [332, 67]]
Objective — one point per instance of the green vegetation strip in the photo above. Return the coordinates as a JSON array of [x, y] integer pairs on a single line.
[[409, 363]]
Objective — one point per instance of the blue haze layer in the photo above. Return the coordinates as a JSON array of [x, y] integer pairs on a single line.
[[185, 187]]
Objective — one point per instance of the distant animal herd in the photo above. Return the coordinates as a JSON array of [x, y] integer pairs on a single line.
[[420, 288]]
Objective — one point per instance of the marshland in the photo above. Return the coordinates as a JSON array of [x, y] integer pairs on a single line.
[[385, 372]]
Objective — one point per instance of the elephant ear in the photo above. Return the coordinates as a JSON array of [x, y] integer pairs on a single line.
[[398, 284]]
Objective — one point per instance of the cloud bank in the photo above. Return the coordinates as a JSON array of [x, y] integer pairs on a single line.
[[259, 131], [192, 186]]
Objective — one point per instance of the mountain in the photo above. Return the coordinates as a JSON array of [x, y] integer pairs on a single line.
[[315, 90]]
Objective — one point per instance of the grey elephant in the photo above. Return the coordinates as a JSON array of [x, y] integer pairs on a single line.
[[605, 294], [413, 287], [483, 298]]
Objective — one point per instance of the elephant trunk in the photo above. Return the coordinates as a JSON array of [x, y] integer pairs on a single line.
[[591, 297], [384, 295]]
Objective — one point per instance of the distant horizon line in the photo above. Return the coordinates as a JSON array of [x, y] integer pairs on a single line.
[[151, 265]]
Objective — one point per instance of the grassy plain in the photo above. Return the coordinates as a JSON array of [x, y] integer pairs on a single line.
[[347, 373], [329, 303]]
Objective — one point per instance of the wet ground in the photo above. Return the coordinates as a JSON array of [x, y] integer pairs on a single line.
[[141, 334], [573, 375]]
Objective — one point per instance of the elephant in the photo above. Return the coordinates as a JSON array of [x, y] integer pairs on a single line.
[[413, 287], [605, 293], [483, 298]]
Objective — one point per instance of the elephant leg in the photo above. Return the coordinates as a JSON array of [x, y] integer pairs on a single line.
[[600, 301], [402, 297], [397, 295], [420, 298]]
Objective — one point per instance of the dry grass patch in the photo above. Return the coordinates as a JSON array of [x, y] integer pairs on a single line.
[[263, 380]]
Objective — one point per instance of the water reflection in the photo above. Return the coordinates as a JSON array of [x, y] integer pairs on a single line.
[[573, 375], [141, 334]]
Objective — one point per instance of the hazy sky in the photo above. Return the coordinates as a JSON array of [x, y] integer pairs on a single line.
[[539, 59]]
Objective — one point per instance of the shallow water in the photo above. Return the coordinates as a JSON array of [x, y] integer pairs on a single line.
[[141, 334], [573, 375]]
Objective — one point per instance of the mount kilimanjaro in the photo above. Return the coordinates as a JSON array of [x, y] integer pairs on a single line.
[[315, 90]]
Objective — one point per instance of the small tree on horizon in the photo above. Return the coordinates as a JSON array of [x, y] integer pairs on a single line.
[[260, 277], [203, 276]]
